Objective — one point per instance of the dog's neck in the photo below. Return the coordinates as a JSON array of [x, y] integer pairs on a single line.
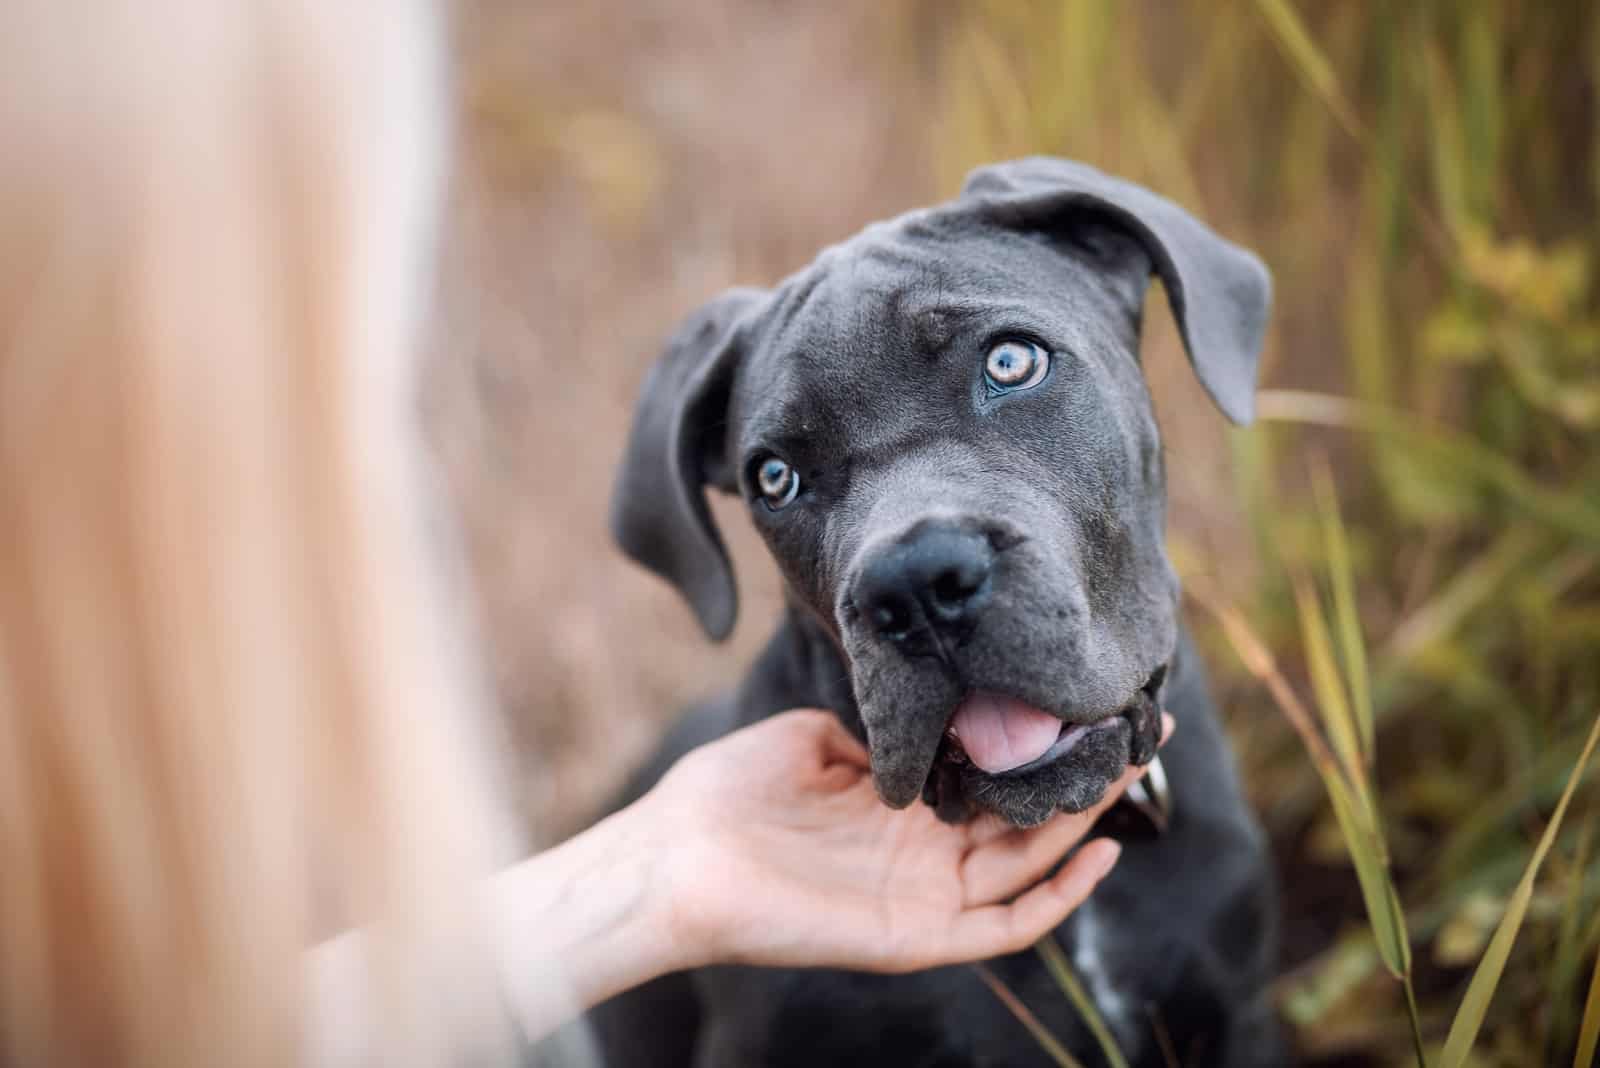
[[801, 667]]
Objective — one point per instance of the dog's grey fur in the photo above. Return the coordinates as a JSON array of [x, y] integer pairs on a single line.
[[864, 371]]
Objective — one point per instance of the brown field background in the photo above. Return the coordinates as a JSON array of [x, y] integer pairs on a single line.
[[1424, 180], [617, 163]]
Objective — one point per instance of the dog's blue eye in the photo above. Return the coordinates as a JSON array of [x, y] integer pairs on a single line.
[[1015, 364], [778, 482]]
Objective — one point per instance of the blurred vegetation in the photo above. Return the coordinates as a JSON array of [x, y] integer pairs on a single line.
[[1424, 180]]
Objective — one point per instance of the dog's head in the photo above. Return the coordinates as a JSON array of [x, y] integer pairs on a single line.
[[944, 436]]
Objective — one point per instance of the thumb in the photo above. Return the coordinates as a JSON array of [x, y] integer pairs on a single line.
[[835, 744]]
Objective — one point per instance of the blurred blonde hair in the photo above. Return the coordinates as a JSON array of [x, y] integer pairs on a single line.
[[235, 706]]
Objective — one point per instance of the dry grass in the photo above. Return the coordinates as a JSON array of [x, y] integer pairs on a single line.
[[1423, 179], [616, 166]]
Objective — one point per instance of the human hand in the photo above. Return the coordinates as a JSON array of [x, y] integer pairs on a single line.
[[777, 851]]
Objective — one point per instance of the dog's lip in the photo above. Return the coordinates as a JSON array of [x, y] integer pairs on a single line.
[[950, 750], [1068, 738], [1071, 735]]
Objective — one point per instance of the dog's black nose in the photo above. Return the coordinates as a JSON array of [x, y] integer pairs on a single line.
[[927, 587]]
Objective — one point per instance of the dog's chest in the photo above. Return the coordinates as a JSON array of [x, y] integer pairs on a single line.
[[945, 1018], [1110, 998]]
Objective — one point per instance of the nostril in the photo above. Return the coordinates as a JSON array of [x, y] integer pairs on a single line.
[[952, 588], [890, 617]]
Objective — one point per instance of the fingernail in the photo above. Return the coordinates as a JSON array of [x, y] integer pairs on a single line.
[[1105, 857]]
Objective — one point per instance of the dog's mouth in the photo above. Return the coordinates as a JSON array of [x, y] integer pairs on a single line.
[[1001, 735], [995, 744]]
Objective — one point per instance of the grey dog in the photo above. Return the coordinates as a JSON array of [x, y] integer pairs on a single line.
[[943, 433]]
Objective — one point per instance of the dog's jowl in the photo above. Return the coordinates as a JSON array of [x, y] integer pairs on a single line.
[[941, 430]]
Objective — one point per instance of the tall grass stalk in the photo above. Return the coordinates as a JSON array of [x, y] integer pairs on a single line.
[[1475, 1003], [1041, 1034], [1061, 971], [1423, 179]]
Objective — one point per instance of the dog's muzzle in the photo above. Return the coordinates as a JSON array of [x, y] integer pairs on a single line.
[[980, 747]]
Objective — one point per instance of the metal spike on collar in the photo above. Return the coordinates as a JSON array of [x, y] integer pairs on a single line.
[[1151, 798]]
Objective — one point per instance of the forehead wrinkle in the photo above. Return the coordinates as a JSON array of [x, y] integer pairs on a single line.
[[794, 298], [892, 264], [893, 298], [788, 406], [845, 418]]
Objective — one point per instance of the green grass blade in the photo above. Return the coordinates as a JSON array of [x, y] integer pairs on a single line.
[[1448, 151], [1041, 1034], [1589, 1033], [1056, 961], [1570, 945], [1574, 511], [1475, 1004], [1594, 67], [1347, 621], [1259, 662], [1482, 97], [1356, 819], [1384, 913], [1331, 701], [1416, 1022], [1308, 61], [1472, 589]]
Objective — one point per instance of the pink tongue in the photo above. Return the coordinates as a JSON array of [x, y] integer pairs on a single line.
[[1000, 733]]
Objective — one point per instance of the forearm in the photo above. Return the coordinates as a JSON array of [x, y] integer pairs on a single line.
[[567, 928], [781, 855], [584, 921]]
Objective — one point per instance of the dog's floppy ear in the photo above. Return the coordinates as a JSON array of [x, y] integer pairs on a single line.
[[1219, 292], [676, 447]]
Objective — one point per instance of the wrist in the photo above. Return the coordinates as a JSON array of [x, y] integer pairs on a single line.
[[585, 920], [657, 927], [684, 920]]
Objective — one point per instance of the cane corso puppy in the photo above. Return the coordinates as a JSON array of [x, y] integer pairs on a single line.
[[942, 432]]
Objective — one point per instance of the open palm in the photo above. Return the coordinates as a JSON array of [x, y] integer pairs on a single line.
[[784, 855]]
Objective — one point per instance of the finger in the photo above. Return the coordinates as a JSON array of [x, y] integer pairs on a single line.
[[839, 746], [818, 729], [1130, 775], [993, 930], [1007, 864], [817, 720], [843, 748], [834, 760], [987, 826]]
